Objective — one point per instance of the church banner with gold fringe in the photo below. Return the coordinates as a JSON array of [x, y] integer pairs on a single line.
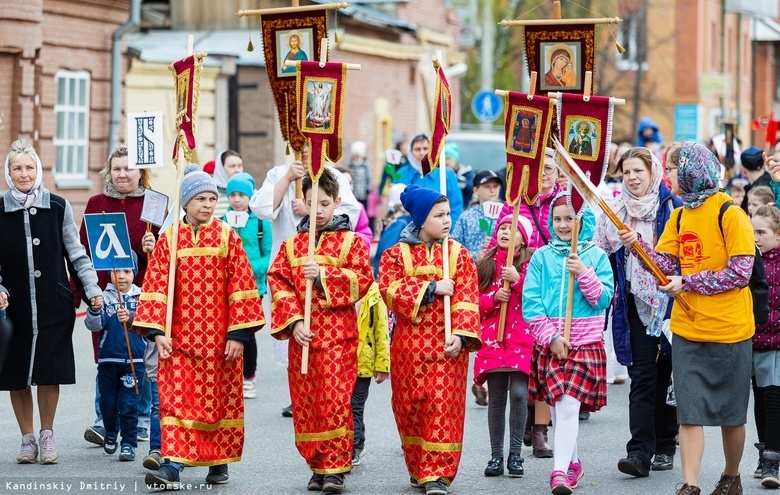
[[295, 37], [186, 76], [560, 54], [442, 116], [586, 133], [527, 130], [320, 89]]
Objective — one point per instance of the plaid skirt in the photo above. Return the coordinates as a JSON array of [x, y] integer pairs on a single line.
[[583, 376]]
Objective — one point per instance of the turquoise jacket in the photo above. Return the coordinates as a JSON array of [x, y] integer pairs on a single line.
[[256, 238]]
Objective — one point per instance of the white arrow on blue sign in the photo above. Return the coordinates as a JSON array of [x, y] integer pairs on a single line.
[[487, 106], [109, 242]]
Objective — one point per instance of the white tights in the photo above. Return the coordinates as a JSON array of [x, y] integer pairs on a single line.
[[566, 425]]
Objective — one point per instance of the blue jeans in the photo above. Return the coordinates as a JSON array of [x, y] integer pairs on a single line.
[[144, 405], [118, 400], [154, 432], [98, 416]]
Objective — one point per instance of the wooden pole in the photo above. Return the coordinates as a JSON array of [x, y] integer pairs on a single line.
[[298, 182], [124, 325], [556, 9], [561, 22], [293, 9], [296, 63], [148, 255], [570, 294]]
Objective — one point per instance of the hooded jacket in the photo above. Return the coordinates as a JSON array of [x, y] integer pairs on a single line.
[[546, 286], [767, 336], [374, 337], [112, 347], [648, 123]]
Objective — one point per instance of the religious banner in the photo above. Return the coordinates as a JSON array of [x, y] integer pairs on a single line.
[[186, 76], [320, 89], [442, 115], [561, 54], [527, 129], [145, 140], [109, 242], [586, 133], [293, 36]]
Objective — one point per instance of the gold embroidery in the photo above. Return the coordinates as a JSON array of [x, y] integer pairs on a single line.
[[465, 306], [242, 295], [249, 324], [145, 324], [332, 471], [418, 303], [325, 435], [432, 446], [190, 462], [153, 296], [199, 425], [391, 293]]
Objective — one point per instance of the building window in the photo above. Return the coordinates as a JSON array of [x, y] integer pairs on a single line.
[[631, 36], [72, 138]]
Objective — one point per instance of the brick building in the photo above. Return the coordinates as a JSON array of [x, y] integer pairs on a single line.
[[55, 78]]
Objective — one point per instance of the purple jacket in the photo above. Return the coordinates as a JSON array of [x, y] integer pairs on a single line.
[[767, 336], [537, 213]]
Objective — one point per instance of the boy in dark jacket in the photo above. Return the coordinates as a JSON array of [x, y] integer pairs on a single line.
[[118, 399]]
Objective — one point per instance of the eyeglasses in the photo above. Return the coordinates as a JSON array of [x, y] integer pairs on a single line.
[[549, 170]]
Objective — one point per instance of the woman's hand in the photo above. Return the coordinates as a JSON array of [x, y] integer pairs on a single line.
[[627, 237], [674, 287], [444, 287], [96, 303], [502, 295], [300, 334], [164, 349], [560, 348], [295, 172], [510, 274], [147, 242], [452, 349], [575, 265], [234, 349], [3, 301]]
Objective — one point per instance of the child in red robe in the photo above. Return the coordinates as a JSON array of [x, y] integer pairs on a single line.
[[429, 375], [341, 274]]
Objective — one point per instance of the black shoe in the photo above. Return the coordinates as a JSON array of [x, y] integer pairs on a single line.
[[514, 464], [663, 462], [333, 483], [109, 443], [633, 466], [414, 483], [495, 467], [287, 411], [95, 434], [166, 478], [218, 475], [438, 487], [584, 415], [315, 483]]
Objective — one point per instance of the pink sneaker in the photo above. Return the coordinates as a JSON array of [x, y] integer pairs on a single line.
[[575, 473], [559, 483]]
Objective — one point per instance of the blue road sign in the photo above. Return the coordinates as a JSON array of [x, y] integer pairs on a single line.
[[109, 242], [487, 106]]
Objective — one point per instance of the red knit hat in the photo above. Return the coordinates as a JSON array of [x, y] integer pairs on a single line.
[[209, 167]]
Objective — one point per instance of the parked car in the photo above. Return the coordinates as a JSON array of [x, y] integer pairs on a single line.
[[481, 150]]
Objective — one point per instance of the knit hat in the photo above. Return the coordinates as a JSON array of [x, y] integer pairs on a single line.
[[451, 150], [419, 201], [241, 182], [524, 226], [196, 181], [752, 158], [561, 200], [208, 167], [394, 195]]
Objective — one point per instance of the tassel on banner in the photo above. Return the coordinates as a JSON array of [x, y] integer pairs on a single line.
[[250, 47]]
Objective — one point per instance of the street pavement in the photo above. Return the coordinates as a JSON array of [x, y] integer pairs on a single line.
[[272, 465]]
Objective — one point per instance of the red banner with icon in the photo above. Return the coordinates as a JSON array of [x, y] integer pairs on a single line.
[[186, 76], [442, 116]]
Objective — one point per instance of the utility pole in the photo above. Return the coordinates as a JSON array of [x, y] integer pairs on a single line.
[[487, 48], [641, 55]]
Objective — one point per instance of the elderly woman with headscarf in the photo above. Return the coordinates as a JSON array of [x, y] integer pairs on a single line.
[[638, 312], [40, 247], [712, 341], [227, 164]]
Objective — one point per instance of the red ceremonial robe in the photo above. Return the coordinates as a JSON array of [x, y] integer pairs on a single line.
[[322, 414], [429, 400], [201, 394]]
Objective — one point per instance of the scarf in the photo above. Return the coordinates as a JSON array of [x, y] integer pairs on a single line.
[[220, 176], [28, 198], [111, 192], [698, 174]]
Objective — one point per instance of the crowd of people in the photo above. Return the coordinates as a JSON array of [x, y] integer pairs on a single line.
[[551, 322]]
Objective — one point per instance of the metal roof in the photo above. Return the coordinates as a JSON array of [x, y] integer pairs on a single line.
[[166, 46], [373, 17]]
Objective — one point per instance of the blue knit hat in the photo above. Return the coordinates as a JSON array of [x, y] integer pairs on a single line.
[[196, 181], [241, 182], [418, 201]]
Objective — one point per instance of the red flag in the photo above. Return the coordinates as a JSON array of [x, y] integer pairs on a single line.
[[527, 130], [186, 75], [772, 126], [320, 111], [442, 114]]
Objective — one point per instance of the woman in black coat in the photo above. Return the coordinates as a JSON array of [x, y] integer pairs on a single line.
[[40, 246]]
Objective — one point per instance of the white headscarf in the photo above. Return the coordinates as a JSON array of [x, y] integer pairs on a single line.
[[24, 199], [220, 176]]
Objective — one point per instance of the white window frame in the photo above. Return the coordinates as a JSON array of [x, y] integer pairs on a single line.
[[621, 63], [69, 171]]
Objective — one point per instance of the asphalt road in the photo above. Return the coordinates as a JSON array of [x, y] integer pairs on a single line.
[[271, 464]]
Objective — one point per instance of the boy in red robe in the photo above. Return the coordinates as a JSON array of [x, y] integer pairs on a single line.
[[341, 273], [429, 375], [216, 308]]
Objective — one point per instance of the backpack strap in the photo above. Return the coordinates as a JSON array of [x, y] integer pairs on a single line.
[[538, 227], [725, 206]]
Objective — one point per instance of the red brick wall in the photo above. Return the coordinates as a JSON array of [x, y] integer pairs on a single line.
[[686, 63]]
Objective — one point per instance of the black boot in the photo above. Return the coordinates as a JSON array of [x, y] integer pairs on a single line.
[[542, 449], [769, 474], [757, 473], [495, 467], [514, 464]]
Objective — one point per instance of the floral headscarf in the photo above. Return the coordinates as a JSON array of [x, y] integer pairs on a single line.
[[697, 174]]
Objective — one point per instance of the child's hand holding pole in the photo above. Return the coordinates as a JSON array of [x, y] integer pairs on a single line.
[[300, 334], [123, 314], [453, 347], [311, 270], [445, 287], [560, 347]]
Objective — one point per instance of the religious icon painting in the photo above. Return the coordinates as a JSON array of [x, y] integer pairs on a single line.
[[186, 77], [525, 131], [292, 44], [446, 98], [561, 54], [182, 93], [320, 104], [583, 138]]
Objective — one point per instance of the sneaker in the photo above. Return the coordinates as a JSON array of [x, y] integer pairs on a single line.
[[480, 393], [728, 485], [95, 434], [575, 473], [127, 453], [29, 451], [633, 466], [48, 448], [514, 464], [287, 411], [333, 483], [438, 487], [687, 489], [414, 483], [143, 435], [109, 444], [153, 460], [559, 483], [315, 483], [495, 466], [663, 462], [165, 478], [769, 474], [250, 392], [218, 475], [356, 455]]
